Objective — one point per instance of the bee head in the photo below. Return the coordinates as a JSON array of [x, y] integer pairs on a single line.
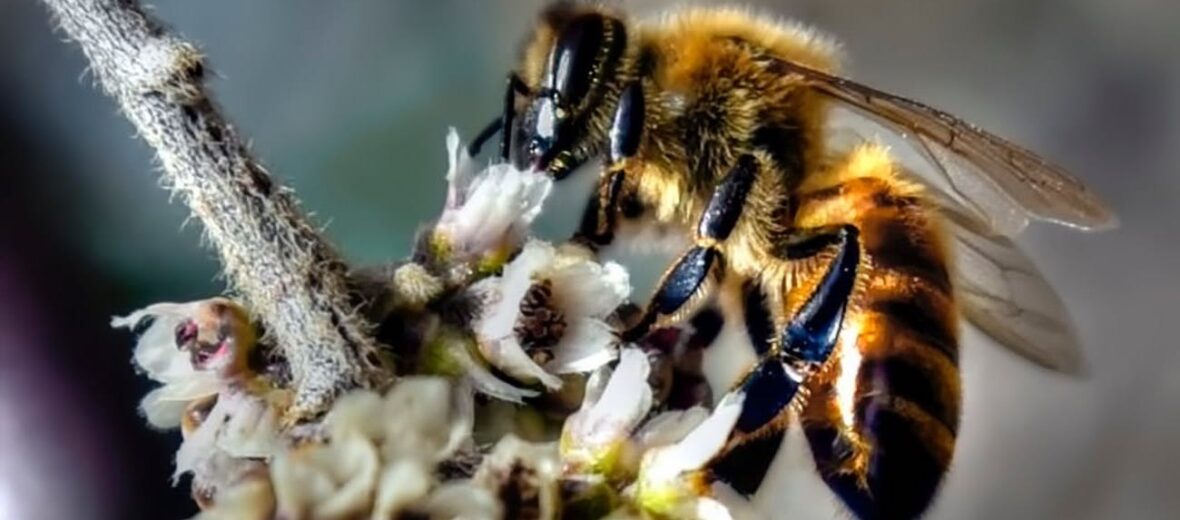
[[582, 58]]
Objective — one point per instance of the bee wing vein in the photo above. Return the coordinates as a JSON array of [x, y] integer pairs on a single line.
[[997, 176]]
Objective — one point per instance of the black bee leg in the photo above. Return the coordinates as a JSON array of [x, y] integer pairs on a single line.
[[626, 132], [482, 137], [503, 124], [807, 340], [686, 279], [767, 391], [810, 336], [706, 327], [729, 198], [601, 215]]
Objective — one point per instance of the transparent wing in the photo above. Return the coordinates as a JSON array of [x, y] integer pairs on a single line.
[[999, 288], [996, 181], [1001, 291]]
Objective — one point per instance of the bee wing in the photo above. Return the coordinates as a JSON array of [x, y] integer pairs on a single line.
[[1000, 182], [1001, 291]]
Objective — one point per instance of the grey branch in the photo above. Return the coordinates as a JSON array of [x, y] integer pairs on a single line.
[[286, 271]]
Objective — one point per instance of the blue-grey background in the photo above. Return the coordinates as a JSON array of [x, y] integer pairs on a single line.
[[349, 102]]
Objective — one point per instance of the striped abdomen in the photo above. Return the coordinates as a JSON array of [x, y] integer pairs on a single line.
[[882, 417]]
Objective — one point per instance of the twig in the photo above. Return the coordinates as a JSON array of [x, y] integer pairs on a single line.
[[284, 269]]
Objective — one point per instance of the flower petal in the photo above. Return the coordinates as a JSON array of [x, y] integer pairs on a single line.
[[486, 208], [595, 384], [508, 356], [198, 451], [404, 482], [628, 394], [251, 499], [587, 344], [461, 500], [164, 406], [334, 480], [486, 382], [669, 427], [156, 351], [710, 509], [665, 464], [503, 309], [251, 429], [432, 418], [623, 403], [737, 505], [587, 288], [358, 412], [524, 469], [460, 169]]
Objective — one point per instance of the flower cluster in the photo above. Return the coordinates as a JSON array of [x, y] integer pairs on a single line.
[[379, 459], [228, 413], [541, 312], [657, 459], [547, 315], [487, 212], [383, 456], [483, 309]]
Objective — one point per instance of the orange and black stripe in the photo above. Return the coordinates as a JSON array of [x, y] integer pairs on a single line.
[[889, 462]]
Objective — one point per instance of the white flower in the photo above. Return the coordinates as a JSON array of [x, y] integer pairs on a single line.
[[333, 480], [484, 380], [525, 469], [427, 418], [460, 500], [239, 427], [595, 438], [158, 354], [228, 419], [671, 475], [403, 482], [251, 499], [582, 291], [489, 209], [669, 427]]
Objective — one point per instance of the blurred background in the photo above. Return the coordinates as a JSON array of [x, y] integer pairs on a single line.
[[349, 104]]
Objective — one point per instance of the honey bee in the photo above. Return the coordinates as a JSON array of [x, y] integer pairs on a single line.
[[717, 122]]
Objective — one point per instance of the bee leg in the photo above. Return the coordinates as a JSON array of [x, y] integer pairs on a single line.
[[810, 336], [503, 124], [626, 130], [482, 137], [758, 434], [601, 216], [773, 384], [706, 327], [680, 285], [729, 198], [686, 279]]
